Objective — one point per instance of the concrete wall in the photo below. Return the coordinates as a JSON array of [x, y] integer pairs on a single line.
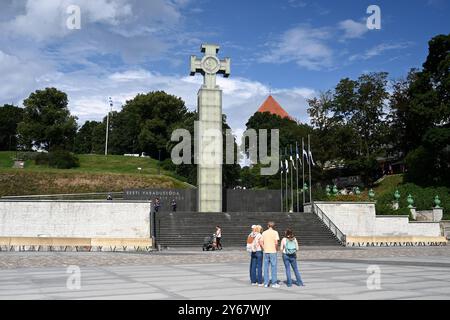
[[359, 219], [75, 219], [445, 226], [433, 215]]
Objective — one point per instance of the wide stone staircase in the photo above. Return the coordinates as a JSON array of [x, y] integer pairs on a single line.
[[182, 229]]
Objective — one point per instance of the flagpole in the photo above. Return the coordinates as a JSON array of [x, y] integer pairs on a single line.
[[281, 180], [303, 171], [292, 184], [309, 163], [287, 172], [292, 187], [296, 160]]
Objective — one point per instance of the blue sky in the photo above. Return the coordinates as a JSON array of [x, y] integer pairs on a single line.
[[292, 48]]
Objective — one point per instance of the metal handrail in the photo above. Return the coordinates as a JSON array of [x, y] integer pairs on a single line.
[[328, 223]]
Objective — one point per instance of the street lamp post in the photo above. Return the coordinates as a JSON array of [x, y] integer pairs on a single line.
[[107, 126], [159, 162]]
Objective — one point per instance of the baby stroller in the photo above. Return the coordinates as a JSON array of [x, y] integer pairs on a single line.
[[209, 243]]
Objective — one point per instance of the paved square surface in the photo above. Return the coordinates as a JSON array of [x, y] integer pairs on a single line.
[[224, 275]]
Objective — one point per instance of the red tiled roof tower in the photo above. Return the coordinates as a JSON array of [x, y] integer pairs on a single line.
[[272, 106]]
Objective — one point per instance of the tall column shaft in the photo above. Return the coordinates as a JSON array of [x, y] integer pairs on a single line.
[[210, 150]]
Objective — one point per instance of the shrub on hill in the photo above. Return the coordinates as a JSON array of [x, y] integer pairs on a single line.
[[58, 159], [423, 199]]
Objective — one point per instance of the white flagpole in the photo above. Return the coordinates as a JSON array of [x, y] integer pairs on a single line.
[[281, 187], [286, 193], [296, 159], [309, 163], [303, 171], [107, 126], [287, 172], [292, 184]]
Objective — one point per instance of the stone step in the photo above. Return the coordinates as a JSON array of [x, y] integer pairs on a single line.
[[189, 229]]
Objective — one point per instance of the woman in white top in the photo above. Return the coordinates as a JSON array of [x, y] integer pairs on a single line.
[[218, 238], [289, 248], [255, 247]]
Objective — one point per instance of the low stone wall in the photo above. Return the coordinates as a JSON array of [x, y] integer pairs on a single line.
[[54, 224], [358, 220], [445, 226], [433, 215]]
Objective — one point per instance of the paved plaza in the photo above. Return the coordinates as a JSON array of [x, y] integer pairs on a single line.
[[328, 273]]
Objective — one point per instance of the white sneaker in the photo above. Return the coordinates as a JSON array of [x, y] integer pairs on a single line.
[[260, 285], [254, 284], [266, 286], [276, 285]]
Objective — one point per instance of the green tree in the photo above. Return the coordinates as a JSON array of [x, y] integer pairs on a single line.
[[10, 117], [47, 122], [90, 138], [290, 133], [361, 105], [230, 172], [420, 117], [145, 124], [422, 100], [349, 125]]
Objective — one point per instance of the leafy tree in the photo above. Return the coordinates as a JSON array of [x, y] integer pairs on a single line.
[[47, 122], [422, 100], [10, 116], [349, 125], [290, 133], [421, 115], [145, 124], [230, 173], [361, 105], [90, 138]]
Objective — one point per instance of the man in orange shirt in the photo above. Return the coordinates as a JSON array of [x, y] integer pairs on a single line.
[[270, 245]]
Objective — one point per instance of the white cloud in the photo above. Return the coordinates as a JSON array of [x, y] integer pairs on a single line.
[[89, 91], [297, 3], [135, 30], [38, 52], [352, 29], [303, 45], [44, 20], [380, 49], [18, 77]]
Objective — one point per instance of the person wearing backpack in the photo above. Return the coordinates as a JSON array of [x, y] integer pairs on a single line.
[[289, 248], [254, 247]]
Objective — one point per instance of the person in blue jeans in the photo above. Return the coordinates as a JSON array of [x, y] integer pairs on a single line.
[[289, 248], [256, 257], [270, 247]]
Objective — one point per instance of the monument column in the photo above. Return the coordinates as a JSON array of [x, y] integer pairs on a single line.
[[209, 129]]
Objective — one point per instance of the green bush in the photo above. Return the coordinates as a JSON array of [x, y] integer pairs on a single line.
[[420, 163], [58, 159], [27, 155], [423, 199], [41, 159]]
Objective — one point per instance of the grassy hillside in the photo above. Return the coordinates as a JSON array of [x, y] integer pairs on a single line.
[[95, 174]]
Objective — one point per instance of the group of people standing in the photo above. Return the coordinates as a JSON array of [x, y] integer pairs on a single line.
[[157, 205], [263, 248]]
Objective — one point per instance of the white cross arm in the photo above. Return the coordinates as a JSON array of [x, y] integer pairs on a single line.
[[196, 66], [225, 67]]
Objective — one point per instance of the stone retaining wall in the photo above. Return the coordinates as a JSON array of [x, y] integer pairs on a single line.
[[75, 223]]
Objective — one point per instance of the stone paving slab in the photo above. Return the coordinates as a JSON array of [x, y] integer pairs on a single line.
[[223, 281], [13, 260]]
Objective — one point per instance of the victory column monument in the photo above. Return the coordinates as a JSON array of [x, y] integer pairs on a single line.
[[209, 131]]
